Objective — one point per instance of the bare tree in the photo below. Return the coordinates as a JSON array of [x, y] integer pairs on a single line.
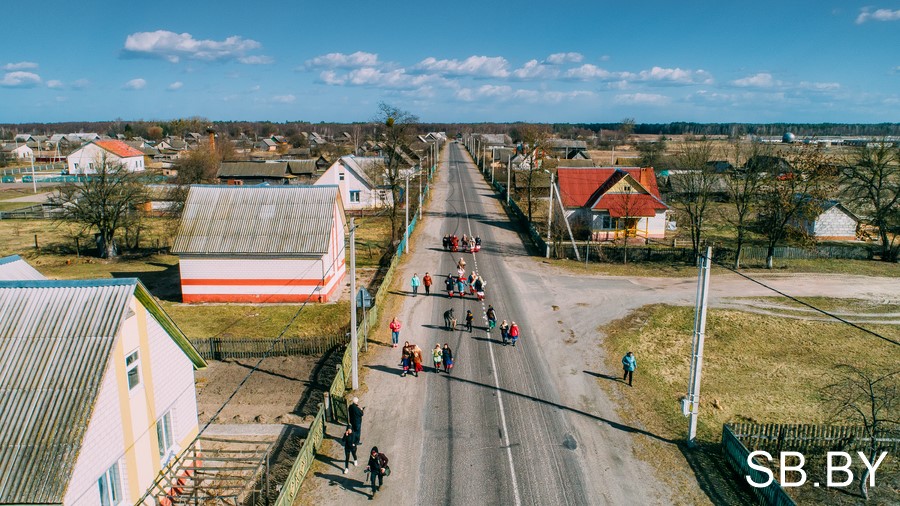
[[870, 399], [626, 207], [104, 202], [872, 183], [534, 139], [694, 184], [397, 128], [743, 184]]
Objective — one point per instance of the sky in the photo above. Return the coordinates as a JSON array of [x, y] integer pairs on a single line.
[[589, 61]]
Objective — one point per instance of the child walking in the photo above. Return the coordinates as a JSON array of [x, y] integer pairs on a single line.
[[437, 355]]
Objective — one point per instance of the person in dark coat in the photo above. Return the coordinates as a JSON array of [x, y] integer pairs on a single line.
[[349, 441], [450, 319], [377, 467], [451, 284], [492, 317], [469, 318], [448, 358], [356, 416]]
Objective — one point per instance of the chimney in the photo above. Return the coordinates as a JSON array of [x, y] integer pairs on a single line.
[[212, 138]]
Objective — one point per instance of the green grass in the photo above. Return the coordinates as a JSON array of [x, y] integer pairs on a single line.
[[373, 236], [258, 321], [756, 368]]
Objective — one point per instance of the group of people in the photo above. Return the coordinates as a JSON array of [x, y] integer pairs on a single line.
[[459, 283], [453, 243], [377, 467], [415, 283], [509, 332], [411, 358]]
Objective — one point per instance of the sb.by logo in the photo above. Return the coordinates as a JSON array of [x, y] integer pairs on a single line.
[[831, 468]]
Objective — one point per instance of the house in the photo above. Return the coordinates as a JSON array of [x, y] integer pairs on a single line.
[[102, 395], [275, 172], [279, 140], [829, 220], [17, 152], [720, 166], [358, 180], [86, 159], [613, 202], [494, 140], [261, 244], [15, 268], [265, 145], [567, 149]]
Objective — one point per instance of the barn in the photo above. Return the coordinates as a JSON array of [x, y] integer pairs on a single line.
[[261, 244]]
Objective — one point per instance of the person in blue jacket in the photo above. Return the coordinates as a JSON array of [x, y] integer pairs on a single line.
[[629, 364]]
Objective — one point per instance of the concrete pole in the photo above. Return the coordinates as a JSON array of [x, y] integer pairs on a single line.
[[508, 176], [550, 215], [354, 345], [406, 205], [562, 210], [699, 336]]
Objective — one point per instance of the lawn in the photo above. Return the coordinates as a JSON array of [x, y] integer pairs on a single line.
[[756, 368]]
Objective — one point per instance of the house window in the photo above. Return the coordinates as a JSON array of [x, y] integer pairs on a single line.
[[110, 485], [133, 369], [354, 196], [605, 222], [164, 434], [340, 176], [626, 188]]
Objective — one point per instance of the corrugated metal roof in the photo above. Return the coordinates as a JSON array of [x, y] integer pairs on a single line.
[[15, 268], [259, 220], [55, 342]]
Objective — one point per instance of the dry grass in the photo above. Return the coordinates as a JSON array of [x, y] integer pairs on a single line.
[[756, 368]]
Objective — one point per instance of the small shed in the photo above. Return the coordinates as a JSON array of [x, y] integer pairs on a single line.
[[833, 223]]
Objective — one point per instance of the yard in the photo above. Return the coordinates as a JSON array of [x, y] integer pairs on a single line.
[[756, 368]]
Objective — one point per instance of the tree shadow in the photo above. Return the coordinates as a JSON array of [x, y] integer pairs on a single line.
[[165, 284]]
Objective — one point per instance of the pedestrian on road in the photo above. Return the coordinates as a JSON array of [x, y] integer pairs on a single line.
[[504, 331], [377, 468], [437, 356], [451, 284], [473, 276], [416, 360], [406, 358], [450, 319], [514, 333], [469, 318], [629, 364], [395, 332], [461, 284], [356, 415], [448, 358], [492, 317], [461, 264], [414, 283], [446, 242], [426, 282], [350, 445]]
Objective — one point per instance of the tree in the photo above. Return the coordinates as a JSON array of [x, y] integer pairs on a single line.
[[870, 399], [788, 197], [104, 202], [155, 132], [743, 185], [694, 184], [397, 128], [652, 153], [871, 182], [534, 140], [626, 207]]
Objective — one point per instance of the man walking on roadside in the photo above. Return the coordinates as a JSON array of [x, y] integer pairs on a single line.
[[629, 364], [355, 415]]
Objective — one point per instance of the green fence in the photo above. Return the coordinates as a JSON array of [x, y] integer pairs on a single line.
[[736, 454], [304, 460]]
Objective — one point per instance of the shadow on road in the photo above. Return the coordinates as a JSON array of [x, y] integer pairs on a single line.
[[488, 340], [351, 484], [603, 376]]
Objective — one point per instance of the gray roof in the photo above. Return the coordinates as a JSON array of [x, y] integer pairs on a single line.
[[267, 169], [566, 143], [496, 139], [577, 162], [15, 268], [292, 221]]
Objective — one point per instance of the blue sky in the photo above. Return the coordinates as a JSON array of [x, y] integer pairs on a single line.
[[463, 61]]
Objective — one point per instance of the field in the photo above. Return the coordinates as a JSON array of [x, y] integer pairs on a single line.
[[756, 369]]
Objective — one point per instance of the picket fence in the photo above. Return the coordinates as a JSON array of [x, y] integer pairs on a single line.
[[216, 348], [736, 455], [808, 438]]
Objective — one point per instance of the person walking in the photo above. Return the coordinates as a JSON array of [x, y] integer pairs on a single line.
[[414, 283], [355, 415], [448, 358], [395, 332], [469, 318], [426, 282], [406, 358], [416, 360], [450, 319], [504, 331], [437, 356], [492, 317], [450, 284], [514, 333], [461, 285], [350, 445], [629, 364], [377, 468]]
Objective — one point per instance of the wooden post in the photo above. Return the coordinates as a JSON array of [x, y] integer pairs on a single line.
[[77, 249], [35, 242]]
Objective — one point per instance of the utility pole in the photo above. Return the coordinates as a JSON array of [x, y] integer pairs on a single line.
[[420, 193], [550, 214], [354, 363], [691, 404], [562, 210], [406, 206], [508, 176], [33, 179]]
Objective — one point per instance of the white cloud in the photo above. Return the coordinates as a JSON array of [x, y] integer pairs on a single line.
[[284, 99], [22, 65], [504, 93], [177, 85], [760, 80], [331, 77], [819, 86], [79, 84], [20, 79], [476, 66], [642, 99], [256, 60], [676, 75], [174, 46], [53, 83], [589, 71], [879, 15], [397, 79], [344, 61], [560, 58], [535, 70], [135, 84]]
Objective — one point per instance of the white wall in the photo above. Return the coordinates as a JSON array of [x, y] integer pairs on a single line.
[[86, 159], [835, 223], [368, 198]]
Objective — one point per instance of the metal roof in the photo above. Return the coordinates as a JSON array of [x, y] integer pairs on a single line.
[[15, 268], [258, 220], [56, 338]]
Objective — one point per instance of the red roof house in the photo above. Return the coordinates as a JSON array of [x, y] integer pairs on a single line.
[[614, 202], [87, 158]]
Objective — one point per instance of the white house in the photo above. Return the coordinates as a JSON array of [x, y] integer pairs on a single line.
[[87, 158], [261, 244], [354, 176], [833, 223], [20, 152], [102, 394]]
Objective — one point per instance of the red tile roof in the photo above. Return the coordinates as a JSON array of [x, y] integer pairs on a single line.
[[119, 148], [582, 187]]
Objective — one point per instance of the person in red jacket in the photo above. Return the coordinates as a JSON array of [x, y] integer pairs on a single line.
[[395, 332], [426, 281], [514, 333]]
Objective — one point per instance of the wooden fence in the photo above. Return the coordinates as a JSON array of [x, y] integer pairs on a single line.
[[736, 455], [215, 348], [304, 460], [805, 438], [615, 253]]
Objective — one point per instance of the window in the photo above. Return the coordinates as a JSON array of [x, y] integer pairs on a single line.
[[340, 176], [110, 486], [626, 188], [354, 196], [605, 222], [164, 434], [133, 369]]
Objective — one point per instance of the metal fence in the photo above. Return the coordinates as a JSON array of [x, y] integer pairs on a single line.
[[215, 348], [304, 460], [736, 455], [806, 438], [616, 253]]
